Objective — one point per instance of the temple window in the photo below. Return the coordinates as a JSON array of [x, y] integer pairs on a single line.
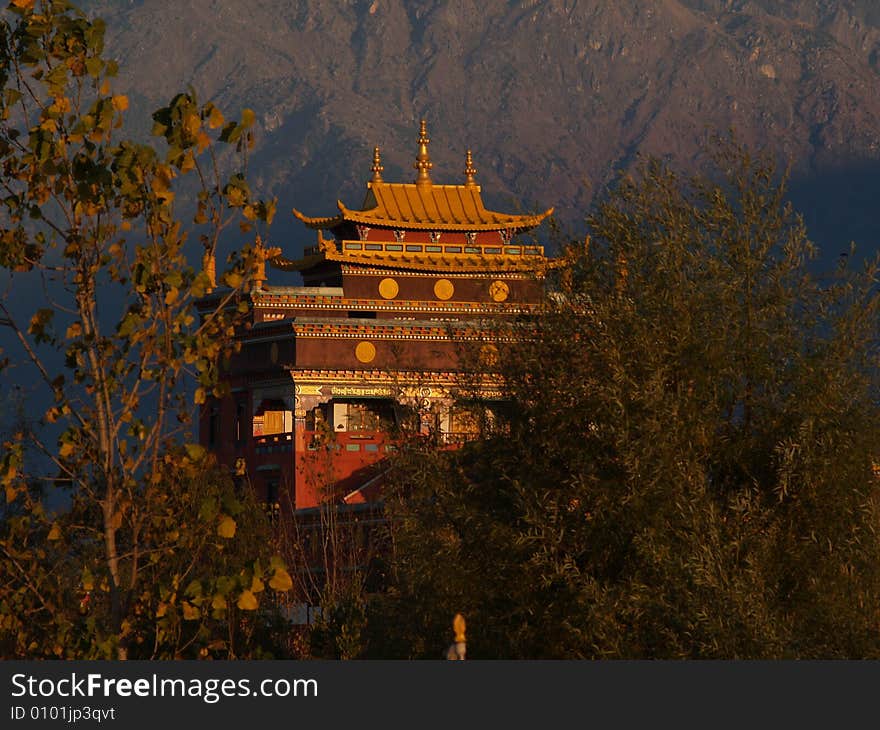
[[316, 418], [358, 417], [362, 416], [464, 421], [240, 431], [272, 417], [214, 425]]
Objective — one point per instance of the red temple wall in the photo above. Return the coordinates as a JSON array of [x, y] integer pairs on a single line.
[[339, 354]]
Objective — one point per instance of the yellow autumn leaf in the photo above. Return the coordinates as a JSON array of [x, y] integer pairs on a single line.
[[203, 141], [54, 533], [192, 123], [188, 163], [120, 102], [61, 104], [226, 528], [190, 612], [163, 177], [215, 120], [247, 601], [161, 610], [257, 585], [23, 3], [235, 197], [165, 197], [218, 603], [281, 581], [11, 493], [66, 449]]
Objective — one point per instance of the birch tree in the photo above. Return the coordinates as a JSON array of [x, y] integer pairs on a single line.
[[135, 557]]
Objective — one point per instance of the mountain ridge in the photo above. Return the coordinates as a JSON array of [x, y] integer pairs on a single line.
[[555, 97]]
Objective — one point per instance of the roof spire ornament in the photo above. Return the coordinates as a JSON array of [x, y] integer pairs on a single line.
[[423, 159], [469, 169], [377, 166]]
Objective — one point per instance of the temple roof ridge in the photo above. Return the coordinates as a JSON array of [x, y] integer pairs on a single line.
[[436, 207], [424, 204]]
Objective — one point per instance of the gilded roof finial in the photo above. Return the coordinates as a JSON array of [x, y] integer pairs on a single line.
[[423, 160], [377, 166], [469, 169]]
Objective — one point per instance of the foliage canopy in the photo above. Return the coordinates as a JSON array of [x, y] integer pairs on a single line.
[[153, 554], [686, 466]]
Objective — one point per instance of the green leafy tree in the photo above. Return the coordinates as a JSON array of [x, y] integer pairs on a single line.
[[687, 465], [92, 216]]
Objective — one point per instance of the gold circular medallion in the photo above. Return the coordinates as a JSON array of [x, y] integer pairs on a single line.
[[499, 291], [365, 351], [443, 289], [388, 288]]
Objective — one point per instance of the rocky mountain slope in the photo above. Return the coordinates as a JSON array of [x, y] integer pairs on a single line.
[[553, 96]]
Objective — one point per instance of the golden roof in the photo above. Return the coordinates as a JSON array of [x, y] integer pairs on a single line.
[[434, 208], [423, 205]]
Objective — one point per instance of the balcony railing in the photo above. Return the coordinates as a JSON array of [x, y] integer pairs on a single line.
[[460, 249], [454, 249]]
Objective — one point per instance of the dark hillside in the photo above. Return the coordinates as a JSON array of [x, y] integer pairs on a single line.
[[553, 96]]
